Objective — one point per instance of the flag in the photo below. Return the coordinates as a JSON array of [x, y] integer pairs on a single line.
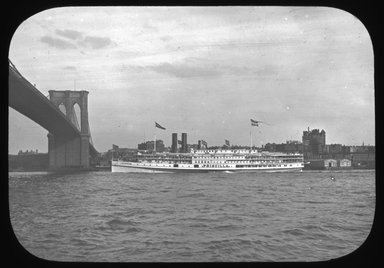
[[179, 142], [254, 123], [227, 142], [158, 126], [115, 147]]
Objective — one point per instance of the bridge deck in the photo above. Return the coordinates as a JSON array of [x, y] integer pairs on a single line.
[[29, 101]]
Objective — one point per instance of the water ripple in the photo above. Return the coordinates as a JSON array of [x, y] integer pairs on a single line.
[[116, 217]]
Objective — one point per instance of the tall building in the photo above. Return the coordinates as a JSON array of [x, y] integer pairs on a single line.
[[174, 143], [184, 148], [313, 141]]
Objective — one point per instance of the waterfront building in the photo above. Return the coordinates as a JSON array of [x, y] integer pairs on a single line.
[[148, 146], [344, 163], [288, 147], [361, 149], [313, 141], [334, 148], [28, 161], [322, 164], [363, 160]]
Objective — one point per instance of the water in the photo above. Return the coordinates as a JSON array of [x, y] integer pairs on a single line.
[[115, 217]]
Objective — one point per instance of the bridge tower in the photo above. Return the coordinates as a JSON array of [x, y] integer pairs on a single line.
[[65, 151]]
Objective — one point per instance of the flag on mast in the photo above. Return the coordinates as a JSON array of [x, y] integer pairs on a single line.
[[255, 123], [158, 126], [227, 142]]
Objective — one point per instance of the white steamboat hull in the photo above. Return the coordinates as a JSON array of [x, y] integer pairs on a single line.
[[133, 167]]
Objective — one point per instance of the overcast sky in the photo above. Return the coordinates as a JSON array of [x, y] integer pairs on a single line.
[[205, 71]]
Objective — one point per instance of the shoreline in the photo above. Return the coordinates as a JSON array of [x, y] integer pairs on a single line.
[[109, 169]]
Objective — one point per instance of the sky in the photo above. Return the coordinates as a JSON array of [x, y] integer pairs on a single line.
[[205, 71]]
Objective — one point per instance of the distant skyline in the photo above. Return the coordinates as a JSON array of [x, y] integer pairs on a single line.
[[205, 71]]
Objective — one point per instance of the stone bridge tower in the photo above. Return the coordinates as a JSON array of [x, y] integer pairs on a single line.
[[74, 151]]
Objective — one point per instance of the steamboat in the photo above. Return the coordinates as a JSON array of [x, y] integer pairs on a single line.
[[225, 160]]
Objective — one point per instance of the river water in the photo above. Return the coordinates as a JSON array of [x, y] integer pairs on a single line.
[[116, 217]]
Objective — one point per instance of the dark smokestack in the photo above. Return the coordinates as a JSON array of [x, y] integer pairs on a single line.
[[183, 142], [174, 143]]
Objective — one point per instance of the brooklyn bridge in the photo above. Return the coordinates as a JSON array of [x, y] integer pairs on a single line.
[[70, 143]]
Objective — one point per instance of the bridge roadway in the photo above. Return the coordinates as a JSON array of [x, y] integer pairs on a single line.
[[29, 101]]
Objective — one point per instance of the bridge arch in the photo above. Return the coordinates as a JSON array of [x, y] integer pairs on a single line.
[[77, 115], [62, 108], [70, 99]]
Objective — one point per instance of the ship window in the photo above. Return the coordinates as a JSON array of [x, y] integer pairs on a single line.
[[196, 166], [175, 165]]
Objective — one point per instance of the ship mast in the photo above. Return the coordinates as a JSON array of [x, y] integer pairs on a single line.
[[154, 142], [250, 133]]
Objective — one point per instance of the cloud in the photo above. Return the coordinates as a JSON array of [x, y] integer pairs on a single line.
[[57, 42], [71, 34], [268, 70], [149, 27], [96, 42], [184, 70], [70, 68], [166, 38], [93, 42]]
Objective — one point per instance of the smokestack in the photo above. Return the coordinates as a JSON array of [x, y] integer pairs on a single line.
[[183, 142], [174, 143]]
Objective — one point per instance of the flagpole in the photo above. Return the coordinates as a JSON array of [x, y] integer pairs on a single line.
[[250, 132], [154, 141]]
